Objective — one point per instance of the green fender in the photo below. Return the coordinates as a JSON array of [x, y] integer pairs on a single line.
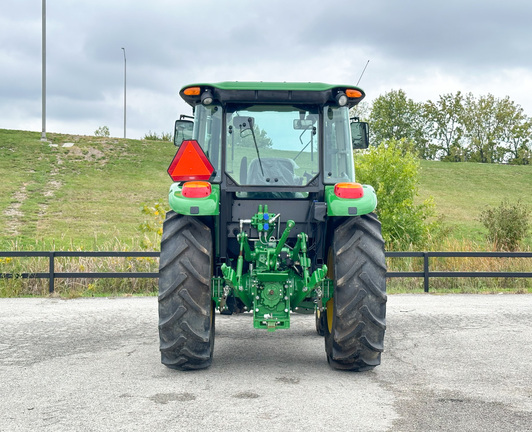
[[207, 206], [350, 207]]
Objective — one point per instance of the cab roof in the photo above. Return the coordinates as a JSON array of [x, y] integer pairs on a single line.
[[270, 92]]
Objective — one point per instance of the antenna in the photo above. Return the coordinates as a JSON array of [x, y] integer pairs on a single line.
[[363, 72]]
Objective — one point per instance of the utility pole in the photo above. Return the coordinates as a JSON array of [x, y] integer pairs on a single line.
[[43, 134], [123, 49]]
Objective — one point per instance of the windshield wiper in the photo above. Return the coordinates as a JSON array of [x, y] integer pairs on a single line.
[[309, 143], [251, 126]]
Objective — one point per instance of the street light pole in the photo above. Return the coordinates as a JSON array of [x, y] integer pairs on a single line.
[[43, 134], [123, 49]]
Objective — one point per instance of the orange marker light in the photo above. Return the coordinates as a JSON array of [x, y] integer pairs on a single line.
[[348, 190], [352, 93], [192, 91], [196, 189], [190, 163]]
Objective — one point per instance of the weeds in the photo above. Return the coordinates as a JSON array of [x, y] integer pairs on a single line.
[[461, 264], [80, 287], [153, 136], [152, 227], [88, 287]]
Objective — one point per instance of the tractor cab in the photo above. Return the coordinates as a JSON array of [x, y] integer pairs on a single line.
[[285, 145]]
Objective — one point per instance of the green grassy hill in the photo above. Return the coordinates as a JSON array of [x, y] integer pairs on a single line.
[[80, 192], [87, 192]]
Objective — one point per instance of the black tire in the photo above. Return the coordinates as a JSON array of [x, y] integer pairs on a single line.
[[321, 319], [354, 331], [186, 310]]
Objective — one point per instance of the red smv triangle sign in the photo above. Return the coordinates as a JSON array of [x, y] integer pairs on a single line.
[[190, 163]]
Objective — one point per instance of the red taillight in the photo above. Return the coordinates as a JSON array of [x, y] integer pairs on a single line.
[[196, 189], [348, 190], [190, 163]]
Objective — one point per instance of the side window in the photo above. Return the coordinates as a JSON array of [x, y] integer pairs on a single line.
[[208, 133], [338, 151]]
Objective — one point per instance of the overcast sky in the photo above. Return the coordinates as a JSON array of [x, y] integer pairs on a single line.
[[426, 48]]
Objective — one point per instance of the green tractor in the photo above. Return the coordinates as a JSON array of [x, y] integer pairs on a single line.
[[266, 219]]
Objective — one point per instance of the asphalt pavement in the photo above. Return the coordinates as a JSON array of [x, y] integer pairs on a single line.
[[451, 363]]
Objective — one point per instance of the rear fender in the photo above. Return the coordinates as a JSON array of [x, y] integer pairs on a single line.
[[350, 207], [205, 206]]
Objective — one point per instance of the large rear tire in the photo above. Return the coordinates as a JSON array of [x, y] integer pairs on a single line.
[[356, 315], [186, 310]]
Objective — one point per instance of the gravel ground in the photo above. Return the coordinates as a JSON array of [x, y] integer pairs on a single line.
[[452, 363]]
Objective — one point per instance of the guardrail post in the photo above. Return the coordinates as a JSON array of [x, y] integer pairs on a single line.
[[426, 271], [51, 280]]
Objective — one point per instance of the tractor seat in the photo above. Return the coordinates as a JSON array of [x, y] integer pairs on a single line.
[[277, 172]]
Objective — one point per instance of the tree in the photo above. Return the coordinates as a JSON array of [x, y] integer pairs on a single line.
[[362, 111], [394, 173], [516, 134], [244, 138], [395, 117], [484, 122], [445, 126], [455, 128]]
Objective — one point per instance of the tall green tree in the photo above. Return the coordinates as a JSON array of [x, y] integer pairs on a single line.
[[395, 117], [484, 125], [445, 126], [516, 134]]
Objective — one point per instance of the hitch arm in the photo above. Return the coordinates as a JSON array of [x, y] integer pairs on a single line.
[[289, 225]]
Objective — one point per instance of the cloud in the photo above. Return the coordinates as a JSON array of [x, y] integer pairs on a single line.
[[425, 48]]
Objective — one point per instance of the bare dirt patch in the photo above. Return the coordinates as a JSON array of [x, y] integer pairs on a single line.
[[87, 154], [14, 212]]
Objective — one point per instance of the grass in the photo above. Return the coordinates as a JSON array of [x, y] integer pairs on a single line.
[[461, 264], [462, 190], [89, 196], [78, 196], [78, 287]]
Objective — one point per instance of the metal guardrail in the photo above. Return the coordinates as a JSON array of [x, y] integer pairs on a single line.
[[426, 274]]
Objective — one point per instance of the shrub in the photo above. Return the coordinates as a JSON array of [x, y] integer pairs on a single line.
[[153, 136], [102, 131], [507, 224], [393, 170]]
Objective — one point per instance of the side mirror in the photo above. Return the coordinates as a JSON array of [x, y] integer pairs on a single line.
[[360, 135], [183, 131]]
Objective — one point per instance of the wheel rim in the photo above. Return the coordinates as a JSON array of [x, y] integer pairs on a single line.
[[330, 303], [330, 314]]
